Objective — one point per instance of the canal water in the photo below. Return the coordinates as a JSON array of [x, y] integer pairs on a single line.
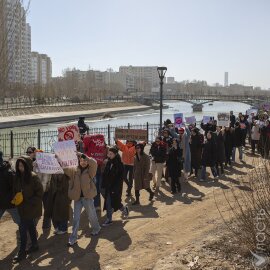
[[151, 116]]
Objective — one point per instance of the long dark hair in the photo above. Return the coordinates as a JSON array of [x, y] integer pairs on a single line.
[[26, 176]]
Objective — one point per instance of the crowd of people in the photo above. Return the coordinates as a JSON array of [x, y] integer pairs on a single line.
[[175, 156]]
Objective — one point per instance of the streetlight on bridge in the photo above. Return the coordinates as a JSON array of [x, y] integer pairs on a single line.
[[161, 73]]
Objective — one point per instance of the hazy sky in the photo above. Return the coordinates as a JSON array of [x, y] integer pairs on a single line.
[[195, 39]]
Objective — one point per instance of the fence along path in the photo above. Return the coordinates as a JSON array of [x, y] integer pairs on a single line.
[[14, 144]]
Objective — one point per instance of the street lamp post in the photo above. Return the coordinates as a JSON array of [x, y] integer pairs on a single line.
[[161, 73]]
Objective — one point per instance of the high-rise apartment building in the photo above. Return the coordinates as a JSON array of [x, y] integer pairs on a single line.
[[41, 67], [146, 77], [226, 79]]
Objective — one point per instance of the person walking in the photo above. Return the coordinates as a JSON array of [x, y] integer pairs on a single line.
[[184, 140], [237, 141], [82, 190], [58, 203], [112, 184], [220, 140], [141, 173], [28, 199], [195, 151], [158, 152], [255, 136], [6, 191], [209, 156], [228, 144], [128, 153], [174, 165]]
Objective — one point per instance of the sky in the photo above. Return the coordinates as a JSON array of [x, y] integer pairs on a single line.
[[194, 39]]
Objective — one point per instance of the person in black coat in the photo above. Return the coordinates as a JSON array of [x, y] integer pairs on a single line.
[[6, 191], [209, 156], [228, 143], [237, 141], [112, 183], [196, 150], [211, 126], [232, 119], [220, 151], [174, 166]]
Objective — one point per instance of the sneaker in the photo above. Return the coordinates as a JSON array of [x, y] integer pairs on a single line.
[[154, 186], [107, 223], [216, 177], [60, 232], [126, 212], [56, 231], [32, 249], [202, 180], [19, 257], [70, 244]]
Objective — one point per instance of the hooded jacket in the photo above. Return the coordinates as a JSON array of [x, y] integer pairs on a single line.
[[6, 186], [32, 191], [128, 153]]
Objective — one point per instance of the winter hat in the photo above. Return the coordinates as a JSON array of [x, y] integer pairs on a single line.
[[113, 150], [1, 157], [31, 149]]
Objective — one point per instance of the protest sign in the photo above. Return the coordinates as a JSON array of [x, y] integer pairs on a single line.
[[178, 120], [95, 147], [266, 106], [66, 153], [190, 120], [252, 111], [206, 119], [131, 134], [67, 133], [48, 164], [224, 119]]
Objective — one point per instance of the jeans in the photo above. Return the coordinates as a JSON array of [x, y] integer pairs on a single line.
[[157, 167], [128, 176], [89, 207], [98, 180], [27, 225], [240, 150], [61, 225], [253, 145], [203, 172], [14, 214]]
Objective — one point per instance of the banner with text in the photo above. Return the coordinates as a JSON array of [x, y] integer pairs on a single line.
[[207, 119], [66, 153], [178, 119], [48, 164], [67, 133], [95, 147], [224, 119], [131, 134]]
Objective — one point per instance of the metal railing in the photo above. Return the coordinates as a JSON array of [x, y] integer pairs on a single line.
[[14, 144]]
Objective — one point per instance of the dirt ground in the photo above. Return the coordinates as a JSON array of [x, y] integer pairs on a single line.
[[153, 231]]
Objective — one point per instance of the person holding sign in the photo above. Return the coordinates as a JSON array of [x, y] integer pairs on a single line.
[[82, 190], [112, 183]]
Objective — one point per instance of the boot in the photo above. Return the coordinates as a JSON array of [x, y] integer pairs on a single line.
[[152, 194], [19, 257], [137, 201]]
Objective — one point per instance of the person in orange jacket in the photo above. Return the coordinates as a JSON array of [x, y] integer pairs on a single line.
[[128, 152]]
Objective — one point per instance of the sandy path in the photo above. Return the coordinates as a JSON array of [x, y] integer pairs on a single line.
[[152, 231]]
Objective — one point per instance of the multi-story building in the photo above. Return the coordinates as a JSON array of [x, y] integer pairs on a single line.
[[41, 67], [15, 43], [226, 79], [145, 77]]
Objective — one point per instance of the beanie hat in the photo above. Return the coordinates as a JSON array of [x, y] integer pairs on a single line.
[[31, 149]]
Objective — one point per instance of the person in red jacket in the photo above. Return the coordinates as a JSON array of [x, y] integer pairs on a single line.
[[128, 153]]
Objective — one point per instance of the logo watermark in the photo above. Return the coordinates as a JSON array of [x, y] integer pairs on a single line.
[[260, 259]]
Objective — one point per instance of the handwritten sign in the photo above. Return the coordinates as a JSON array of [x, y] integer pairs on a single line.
[[206, 119], [131, 134], [224, 119], [95, 147], [48, 164], [66, 153], [190, 120], [178, 120], [67, 133]]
